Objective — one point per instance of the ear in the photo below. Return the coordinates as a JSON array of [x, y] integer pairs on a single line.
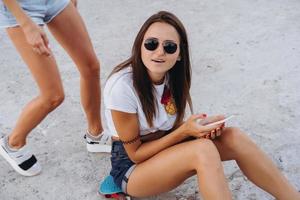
[[179, 58]]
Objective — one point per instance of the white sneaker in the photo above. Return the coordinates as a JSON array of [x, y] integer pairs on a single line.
[[99, 144], [21, 160]]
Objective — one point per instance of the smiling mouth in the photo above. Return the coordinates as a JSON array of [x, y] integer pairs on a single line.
[[158, 61]]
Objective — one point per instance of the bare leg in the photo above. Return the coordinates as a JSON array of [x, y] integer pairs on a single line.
[[233, 144], [171, 167], [46, 75], [69, 29]]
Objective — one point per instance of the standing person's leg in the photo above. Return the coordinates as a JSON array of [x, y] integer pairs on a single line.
[[70, 31], [236, 145], [46, 75]]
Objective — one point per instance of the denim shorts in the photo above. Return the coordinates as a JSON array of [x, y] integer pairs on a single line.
[[40, 11], [121, 165]]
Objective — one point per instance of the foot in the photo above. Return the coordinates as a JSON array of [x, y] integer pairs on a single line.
[[21, 159], [99, 144]]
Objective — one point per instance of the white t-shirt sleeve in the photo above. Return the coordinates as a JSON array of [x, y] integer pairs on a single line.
[[121, 97]]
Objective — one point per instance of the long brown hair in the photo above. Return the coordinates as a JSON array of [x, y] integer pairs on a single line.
[[179, 79]]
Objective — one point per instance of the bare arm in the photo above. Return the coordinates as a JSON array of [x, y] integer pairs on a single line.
[[34, 34], [127, 126]]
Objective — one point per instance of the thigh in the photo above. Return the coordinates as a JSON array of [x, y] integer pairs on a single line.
[[69, 30], [43, 68], [163, 172]]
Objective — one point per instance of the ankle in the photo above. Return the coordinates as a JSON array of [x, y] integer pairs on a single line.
[[95, 132], [93, 136], [14, 144]]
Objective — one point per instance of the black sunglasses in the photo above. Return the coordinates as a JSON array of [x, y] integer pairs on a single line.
[[152, 43]]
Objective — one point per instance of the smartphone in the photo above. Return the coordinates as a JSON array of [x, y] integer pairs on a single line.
[[217, 122]]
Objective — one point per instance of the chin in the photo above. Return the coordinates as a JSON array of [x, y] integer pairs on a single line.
[[158, 71]]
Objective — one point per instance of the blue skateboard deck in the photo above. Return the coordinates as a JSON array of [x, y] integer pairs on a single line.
[[109, 189]]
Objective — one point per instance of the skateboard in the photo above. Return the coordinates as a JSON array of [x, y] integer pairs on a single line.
[[110, 190]]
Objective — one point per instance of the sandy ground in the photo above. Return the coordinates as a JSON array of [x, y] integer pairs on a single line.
[[245, 57]]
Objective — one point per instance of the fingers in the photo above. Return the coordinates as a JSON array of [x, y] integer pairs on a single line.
[[36, 50], [39, 42], [218, 132], [45, 39], [199, 118], [201, 129], [213, 134], [214, 118], [41, 47], [44, 46], [222, 126], [210, 128], [37, 38]]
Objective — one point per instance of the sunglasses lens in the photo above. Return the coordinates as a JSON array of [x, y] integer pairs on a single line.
[[170, 47], [151, 44]]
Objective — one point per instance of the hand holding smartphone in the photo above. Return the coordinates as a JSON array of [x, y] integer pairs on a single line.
[[203, 122]]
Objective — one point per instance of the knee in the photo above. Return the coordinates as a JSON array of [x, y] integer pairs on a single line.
[[91, 69], [53, 100], [234, 139], [206, 154]]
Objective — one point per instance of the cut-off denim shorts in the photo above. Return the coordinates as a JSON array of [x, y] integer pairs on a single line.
[[122, 166], [40, 11]]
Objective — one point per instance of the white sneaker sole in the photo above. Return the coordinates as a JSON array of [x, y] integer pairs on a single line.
[[16, 167], [103, 148]]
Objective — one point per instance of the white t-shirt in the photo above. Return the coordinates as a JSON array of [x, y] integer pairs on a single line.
[[119, 94]]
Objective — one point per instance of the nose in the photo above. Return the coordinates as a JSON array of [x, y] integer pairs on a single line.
[[160, 50]]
